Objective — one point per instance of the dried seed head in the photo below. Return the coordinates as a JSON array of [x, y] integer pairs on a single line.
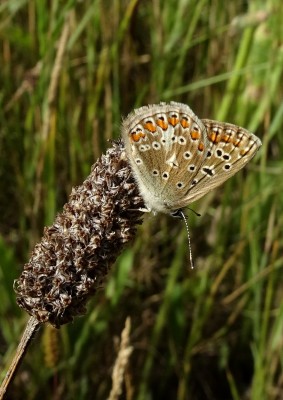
[[77, 251]]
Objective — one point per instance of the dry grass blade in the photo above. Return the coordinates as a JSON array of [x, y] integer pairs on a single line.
[[121, 362]]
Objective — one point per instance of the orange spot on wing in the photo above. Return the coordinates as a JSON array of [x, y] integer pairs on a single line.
[[173, 121], [244, 152], [201, 146], [185, 123], [212, 136], [163, 125], [136, 136], [150, 126], [237, 142], [195, 134], [215, 137], [226, 138]]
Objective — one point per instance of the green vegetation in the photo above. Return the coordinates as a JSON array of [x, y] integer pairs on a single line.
[[68, 72]]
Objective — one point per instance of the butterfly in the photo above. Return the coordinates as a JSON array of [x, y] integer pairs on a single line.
[[177, 158]]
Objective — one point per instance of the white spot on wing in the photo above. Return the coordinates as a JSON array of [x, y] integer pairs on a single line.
[[172, 161]]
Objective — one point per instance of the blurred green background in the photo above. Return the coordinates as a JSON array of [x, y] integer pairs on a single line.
[[69, 71]]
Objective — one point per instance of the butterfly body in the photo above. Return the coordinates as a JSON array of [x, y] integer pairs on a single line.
[[176, 158]]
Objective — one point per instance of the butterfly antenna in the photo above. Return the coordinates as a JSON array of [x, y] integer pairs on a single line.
[[196, 213], [189, 238]]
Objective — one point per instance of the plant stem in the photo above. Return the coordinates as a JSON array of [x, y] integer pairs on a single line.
[[29, 332]]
